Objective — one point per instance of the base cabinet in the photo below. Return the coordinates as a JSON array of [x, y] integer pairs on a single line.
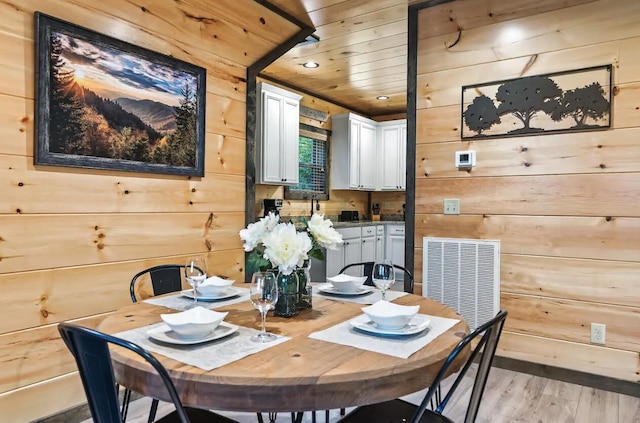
[[395, 247], [350, 251], [359, 244]]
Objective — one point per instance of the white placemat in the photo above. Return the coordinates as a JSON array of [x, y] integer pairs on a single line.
[[369, 298], [182, 303], [208, 355], [397, 346]]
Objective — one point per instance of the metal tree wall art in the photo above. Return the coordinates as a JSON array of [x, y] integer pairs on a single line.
[[566, 101]]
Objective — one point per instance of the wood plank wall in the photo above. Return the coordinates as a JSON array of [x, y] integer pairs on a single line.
[[71, 239], [565, 206]]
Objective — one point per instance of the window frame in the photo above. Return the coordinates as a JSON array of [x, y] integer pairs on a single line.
[[322, 135]]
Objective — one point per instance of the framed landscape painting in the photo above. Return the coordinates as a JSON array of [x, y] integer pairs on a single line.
[[106, 104]]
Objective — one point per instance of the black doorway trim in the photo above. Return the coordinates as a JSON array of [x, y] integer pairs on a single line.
[[412, 76], [251, 106]]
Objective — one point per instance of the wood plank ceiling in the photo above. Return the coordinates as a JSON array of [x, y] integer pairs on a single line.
[[362, 50]]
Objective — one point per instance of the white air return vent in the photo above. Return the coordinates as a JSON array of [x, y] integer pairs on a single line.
[[463, 274]]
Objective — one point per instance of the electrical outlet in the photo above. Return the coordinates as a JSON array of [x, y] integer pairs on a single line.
[[451, 206], [598, 333]]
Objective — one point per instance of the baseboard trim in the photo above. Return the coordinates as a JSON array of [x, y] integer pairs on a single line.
[[77, 414], [567, 375]]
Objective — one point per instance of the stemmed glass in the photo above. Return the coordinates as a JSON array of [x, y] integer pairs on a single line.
[[195, 272], [263, 294], [383, 275]]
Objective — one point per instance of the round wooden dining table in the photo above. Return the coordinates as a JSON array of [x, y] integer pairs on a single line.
[[301, 374]]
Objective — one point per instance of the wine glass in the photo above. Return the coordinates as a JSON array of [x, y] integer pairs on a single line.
[[263, 294], [383, 275], [195, 272]]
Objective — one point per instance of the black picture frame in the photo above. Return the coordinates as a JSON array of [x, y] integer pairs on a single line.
[[569, 101], [102, 103]]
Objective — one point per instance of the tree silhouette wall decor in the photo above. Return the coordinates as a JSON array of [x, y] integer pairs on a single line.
[[575, 100]]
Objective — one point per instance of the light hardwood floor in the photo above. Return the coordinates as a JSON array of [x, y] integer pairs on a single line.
[[510, 397]]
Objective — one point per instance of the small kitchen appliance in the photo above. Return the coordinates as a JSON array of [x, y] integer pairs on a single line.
[[349, 216], [272, 205]]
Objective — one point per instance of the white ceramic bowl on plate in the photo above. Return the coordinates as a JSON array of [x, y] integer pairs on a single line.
[[347, 283], [389, 315], [195, 322], [214, 286]]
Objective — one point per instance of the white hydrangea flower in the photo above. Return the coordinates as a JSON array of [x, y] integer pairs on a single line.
[[253, 234], [286, 248], [323, 232]]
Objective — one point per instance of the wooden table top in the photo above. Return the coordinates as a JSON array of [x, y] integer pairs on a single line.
[[298, 375]]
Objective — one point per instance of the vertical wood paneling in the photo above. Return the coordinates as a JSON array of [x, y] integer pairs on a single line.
[[564, 205]]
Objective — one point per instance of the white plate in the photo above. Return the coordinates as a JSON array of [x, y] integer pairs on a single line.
[[330, 289], [230, 292], [416, 325], [165, 334]]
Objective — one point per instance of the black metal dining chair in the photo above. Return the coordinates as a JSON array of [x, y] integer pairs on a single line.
[[367, 269], [90, 349], [397, 411], [165, 278]]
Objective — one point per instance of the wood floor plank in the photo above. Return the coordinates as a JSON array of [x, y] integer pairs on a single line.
[[558, 403], [521, 397], [628, 409], [596, 406]]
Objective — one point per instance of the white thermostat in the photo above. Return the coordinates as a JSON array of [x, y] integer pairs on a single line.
[[465, 159]]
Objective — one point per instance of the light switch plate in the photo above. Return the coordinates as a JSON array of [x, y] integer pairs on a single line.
[[451, 206]]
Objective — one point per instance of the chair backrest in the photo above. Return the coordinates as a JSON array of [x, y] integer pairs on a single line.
[[90, 349], [490, 335], [165, 278], [368, 270]]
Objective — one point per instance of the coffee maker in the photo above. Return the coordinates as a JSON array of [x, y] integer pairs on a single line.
[[272, 205]]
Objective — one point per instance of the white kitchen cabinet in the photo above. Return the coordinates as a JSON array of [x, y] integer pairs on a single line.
[[380, 253], [392, 153], [277, 136], [395, 247], [350, 251], [353, 152], [368, 242]]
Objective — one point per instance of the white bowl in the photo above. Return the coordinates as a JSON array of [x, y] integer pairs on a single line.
[[194, 323], [347, 283], [214, 286], [389, 315]]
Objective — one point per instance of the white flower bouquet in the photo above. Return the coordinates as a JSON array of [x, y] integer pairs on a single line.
[[278, 245]]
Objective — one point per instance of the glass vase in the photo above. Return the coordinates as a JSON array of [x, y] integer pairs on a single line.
[[304, 286], [287, 305]]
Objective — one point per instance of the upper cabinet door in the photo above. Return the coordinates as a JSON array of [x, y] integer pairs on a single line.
[[355, 131], [402, 158], [272, 116], [389, 139], [291, 141], [367, 157], [392, 150], [277, 138]]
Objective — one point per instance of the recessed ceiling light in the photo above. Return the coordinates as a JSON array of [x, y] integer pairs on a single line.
[[382, 97], [311, 65]]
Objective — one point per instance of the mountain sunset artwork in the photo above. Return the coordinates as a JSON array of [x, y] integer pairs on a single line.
[[109, 103]]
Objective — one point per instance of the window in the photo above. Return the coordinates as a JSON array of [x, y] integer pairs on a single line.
[[313, 168]]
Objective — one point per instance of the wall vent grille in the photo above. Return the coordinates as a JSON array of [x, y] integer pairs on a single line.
[[463, 274]]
